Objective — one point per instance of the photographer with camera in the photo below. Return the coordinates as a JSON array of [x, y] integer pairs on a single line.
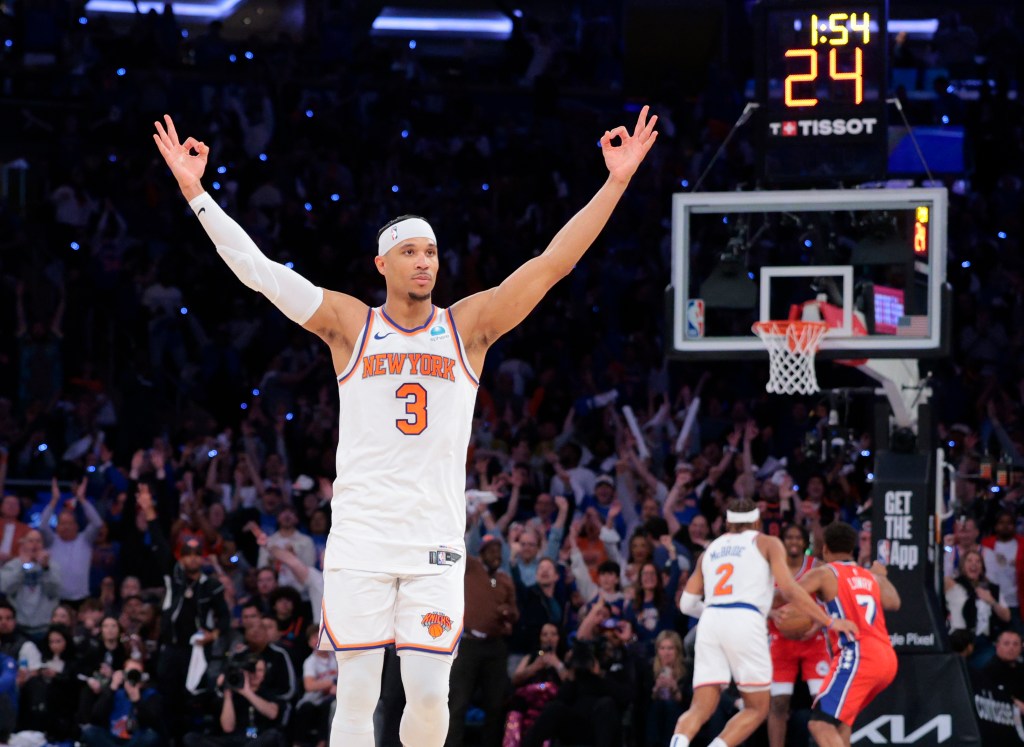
[[255, 692], [129, 709]]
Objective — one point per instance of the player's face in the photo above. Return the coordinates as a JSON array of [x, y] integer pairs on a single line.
[[794, 542], [411, 268]]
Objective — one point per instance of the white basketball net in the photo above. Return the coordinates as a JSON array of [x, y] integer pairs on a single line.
[[791, 348]]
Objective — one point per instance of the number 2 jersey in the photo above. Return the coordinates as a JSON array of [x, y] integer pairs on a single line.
[[407, 400], [736, 574]]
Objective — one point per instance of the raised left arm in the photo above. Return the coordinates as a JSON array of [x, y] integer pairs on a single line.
[[484, 317]]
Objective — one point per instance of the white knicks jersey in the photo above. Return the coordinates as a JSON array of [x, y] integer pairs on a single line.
[[407, 400], [736, 574]]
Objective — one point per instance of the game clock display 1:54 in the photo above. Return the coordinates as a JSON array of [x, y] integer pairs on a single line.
[[822, 81]]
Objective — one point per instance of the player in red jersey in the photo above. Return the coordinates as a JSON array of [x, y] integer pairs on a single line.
[[861, 668], [808, 657]]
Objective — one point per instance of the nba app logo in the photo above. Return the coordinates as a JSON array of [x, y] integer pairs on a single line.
[[882, 551], [695, 317]]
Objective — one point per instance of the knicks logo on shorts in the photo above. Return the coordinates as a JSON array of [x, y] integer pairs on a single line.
[[436, 623]]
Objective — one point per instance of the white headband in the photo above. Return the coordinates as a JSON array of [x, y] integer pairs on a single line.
[[410, 228], [746, 517]]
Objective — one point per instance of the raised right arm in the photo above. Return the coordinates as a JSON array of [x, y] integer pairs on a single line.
[[335, 317]]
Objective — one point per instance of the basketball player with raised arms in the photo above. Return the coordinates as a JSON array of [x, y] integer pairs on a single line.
[[861, 667], [807, 657], [734, 575], [407, 374]]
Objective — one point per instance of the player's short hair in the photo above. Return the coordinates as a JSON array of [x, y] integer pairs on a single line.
[[393, 221], [840, 537]]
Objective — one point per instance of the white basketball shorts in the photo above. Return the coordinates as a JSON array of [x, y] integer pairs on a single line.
[[732, 644], [364, 610]]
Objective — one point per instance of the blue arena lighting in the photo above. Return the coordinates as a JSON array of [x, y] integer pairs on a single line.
[[517, 12], [255, 392], [215, 185], [945, 119], [412, 44], [684, 183], [233, 57], [808, 243], [994, 489], [183, 310], [245, 406], [308, 206], [309, 113], [91, 468], [222, 169], [750, 275], [394, 188], [335, 197], [865, 453], [211, 453], [951, 444], [405, 134], [263, 157], [485, 24], [112, 158], [725, 219], [249, 55], [8, 43], [966, 264], [291, 265], [485, 186], [871, 476], [184, 33], [83, 21], [121, 72], [42, 448], [289, 416], [1001, 234], [75, 246], [221, 9]]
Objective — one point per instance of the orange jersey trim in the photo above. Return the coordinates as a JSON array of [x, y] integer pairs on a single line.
[[458, 349], [408, 332], [362, 346]]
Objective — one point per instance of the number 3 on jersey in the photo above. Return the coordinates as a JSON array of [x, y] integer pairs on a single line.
[[415, 397], [723, 587]]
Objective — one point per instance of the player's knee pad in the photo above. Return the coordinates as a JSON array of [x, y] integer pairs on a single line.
[[426, 682], [358, 689], [425, 721]]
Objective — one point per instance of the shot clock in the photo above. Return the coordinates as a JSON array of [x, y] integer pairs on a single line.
[[822, 82]]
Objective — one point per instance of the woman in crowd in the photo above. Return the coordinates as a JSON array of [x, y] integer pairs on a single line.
[[670, 691], [972, 601], [536, 682]]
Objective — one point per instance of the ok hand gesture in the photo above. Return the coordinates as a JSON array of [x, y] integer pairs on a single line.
[[187, 168], [622, 160]]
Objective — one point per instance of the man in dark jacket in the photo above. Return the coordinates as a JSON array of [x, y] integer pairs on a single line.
[[194, 614]]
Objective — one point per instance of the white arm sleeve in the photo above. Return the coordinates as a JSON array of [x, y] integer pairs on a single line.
[[297, 298], [691, 604]]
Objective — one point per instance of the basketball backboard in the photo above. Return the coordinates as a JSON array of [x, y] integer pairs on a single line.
[[877, 256]]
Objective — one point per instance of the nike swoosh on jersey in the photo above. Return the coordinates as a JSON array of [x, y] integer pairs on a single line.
[[380, 336], [201, 211]]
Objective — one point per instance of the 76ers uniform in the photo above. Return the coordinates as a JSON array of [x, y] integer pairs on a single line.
[[864, 667], [394, 565], [732, 641], [809, 658]]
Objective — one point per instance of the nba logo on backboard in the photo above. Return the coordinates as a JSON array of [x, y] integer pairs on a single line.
[[882, 551], [695, 317], [394, 233]]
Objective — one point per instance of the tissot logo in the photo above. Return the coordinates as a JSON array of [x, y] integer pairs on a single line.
[[823, 127]]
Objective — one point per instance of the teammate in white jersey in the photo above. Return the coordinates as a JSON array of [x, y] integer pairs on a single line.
[[407, 375], [734, 575]]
